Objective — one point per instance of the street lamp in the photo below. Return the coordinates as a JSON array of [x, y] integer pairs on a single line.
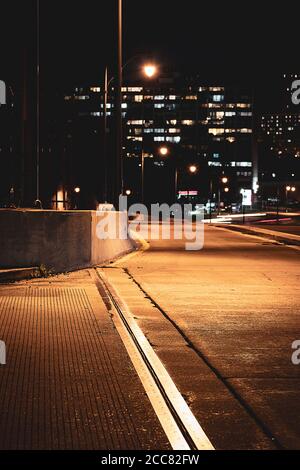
[[128, 192], [163, 151], [193, 168], [76, 197], [288, 189], [224, 180], [150, 70]]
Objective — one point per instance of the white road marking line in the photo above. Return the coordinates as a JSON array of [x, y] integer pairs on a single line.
[[174, 434]]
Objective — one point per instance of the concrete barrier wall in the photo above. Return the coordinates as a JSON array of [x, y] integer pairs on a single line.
[[60, 240]]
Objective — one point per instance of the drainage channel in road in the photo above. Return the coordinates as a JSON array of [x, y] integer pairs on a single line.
[[180, 425]]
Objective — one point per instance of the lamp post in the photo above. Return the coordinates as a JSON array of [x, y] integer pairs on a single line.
[[37, 202], [288, 189], [224, 180], [76, 197], [118, 188], [149, 70]]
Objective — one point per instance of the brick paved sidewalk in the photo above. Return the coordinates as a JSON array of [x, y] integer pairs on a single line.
[[68, 382]]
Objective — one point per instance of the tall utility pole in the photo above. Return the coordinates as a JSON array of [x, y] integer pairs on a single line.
[[119, 144], [105, 159], [37, 202]]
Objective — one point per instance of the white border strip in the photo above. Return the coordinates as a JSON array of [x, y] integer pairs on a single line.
[[168, 423]]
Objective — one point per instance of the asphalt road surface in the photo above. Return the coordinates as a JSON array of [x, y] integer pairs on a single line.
[[223, 320]]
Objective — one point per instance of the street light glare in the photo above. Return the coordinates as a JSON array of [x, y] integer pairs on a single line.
[[224, 179], [193, 168], [164, 151], [150, 70]]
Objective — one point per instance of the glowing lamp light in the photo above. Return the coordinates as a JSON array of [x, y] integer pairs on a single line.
[[193, 168], [224, 179], [128, 192], [293, 189], [288, 188], [77, 190], [150, 70], [226, 190], [164, 151]]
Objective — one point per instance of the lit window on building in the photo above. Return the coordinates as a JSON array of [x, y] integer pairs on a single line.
[[230, 113], [241, 164], [210, 163], [135, 122], [191, 97], [159, 105], [188, 122], [159, 97], [138, 98], [134, 89], [213, 105], [173, 130], [172, 97], [95, 89], [245, 131], [159, 139], [243, 105], [138, 139], [217, 98], [175, 139], [215, 131]]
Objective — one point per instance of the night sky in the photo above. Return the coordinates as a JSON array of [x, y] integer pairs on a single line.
[[237, 42]]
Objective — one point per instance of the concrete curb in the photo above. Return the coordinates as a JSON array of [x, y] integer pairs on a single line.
[[18, 274], [286, 238]]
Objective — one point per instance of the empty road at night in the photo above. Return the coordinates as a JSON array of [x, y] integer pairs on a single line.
[[222, 320], [220, 323]]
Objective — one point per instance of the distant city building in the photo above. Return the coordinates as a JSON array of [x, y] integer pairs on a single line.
[[279, 142], [210, 126]]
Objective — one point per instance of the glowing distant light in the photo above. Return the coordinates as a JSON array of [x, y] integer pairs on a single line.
[[77, 189], [226, 190], [293, 189], [150, 70], [288, 188], [164, 151], [224, 179], [273, 174], [128, 192], [193, 168]]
